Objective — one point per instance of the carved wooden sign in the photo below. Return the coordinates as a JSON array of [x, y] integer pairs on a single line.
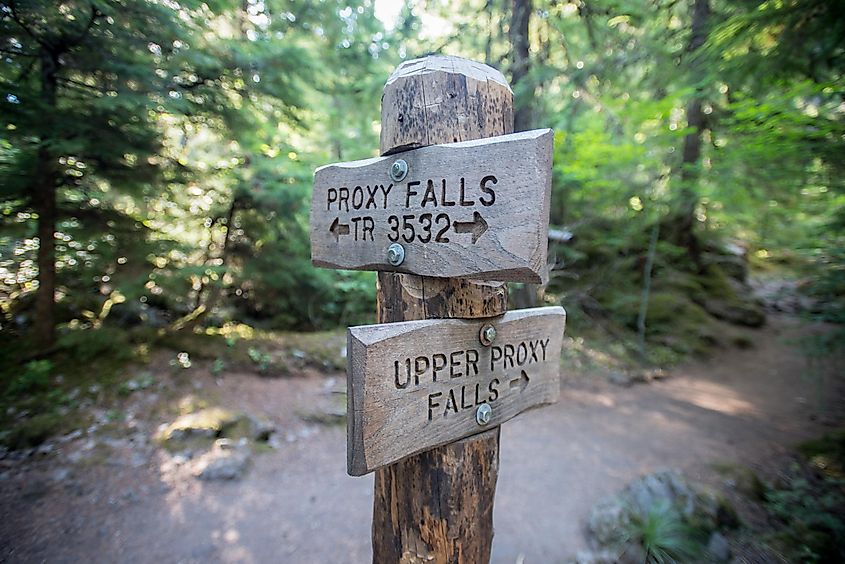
[[418, 384], [475, 209]]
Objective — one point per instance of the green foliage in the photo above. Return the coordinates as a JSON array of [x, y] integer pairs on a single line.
[[33, 431], [261, 359], [34, 378], [664, 536], [827, 453], [141, 382], [182, 137], [87, 346], [814, 529]]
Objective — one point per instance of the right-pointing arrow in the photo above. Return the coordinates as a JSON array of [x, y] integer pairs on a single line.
[[521, 382], [477, 226], [337, 229]]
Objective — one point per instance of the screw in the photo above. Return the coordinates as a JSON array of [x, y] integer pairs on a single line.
[[398, 170], [483, 414], [395, 254], [487, 335]]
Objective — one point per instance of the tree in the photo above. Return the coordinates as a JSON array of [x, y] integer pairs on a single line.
[[684, 219], [521, 63], [95, 91]]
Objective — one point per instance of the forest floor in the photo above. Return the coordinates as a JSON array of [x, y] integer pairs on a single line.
[[111, 494]]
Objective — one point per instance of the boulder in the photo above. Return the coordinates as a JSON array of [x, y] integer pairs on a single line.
[[718, 548], [225, 461], [613, 524], [595, 557], [260, 428], [214, 422]]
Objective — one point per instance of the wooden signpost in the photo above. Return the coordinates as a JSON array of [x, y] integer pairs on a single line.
[[460, 207]]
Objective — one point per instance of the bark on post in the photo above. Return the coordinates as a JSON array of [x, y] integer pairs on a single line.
[[438, 506]]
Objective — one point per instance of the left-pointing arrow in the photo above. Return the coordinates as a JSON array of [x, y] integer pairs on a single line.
[[337, 229]]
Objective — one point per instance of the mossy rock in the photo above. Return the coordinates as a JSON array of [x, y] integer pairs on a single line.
[[209, 422], [728, 300], [688, 512], [204, 426], [676, 322]]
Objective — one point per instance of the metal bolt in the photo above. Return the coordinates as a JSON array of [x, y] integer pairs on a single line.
[[398, 170], [487, 335], [483, 414], [395, 254]]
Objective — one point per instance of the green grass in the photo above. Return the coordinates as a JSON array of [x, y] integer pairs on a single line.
[[665, 537]]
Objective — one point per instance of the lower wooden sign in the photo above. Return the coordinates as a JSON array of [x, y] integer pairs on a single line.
[[416, 385]]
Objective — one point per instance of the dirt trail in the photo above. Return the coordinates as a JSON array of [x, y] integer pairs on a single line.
[[296, 503]]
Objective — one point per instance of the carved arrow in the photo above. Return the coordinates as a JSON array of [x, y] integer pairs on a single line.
[[520, 382], [337, 229], [477, 226]]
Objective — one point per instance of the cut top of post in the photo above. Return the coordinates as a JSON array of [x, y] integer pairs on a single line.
[[450, 65], [442, 99]]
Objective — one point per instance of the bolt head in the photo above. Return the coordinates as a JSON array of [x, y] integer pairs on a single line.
[[398, 170], [483, 414], [395, 254], [487, 335]]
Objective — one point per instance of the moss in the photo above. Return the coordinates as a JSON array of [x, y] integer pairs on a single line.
[[747, 481], [211, 422], [726, 301], [198, 429]]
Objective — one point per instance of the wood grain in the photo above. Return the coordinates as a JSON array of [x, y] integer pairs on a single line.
[[416, 517], [476, 208], [416, 385]]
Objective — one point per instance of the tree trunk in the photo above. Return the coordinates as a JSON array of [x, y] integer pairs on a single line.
[[206, 306], [520, 19], [44, 204], [684, 220], [437, 506]]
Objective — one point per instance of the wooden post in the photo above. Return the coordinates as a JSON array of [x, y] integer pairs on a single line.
[[437, 506]]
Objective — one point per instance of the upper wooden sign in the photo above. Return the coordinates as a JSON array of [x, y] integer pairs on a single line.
[[475, 209], [415, 385]]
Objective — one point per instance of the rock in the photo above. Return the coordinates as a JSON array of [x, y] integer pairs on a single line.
[[613, 522], [595, 557], [45, 448], [210, 422], [224, 461], [260, 428], [718, 548], [137, 460], [735, 311], [733, 265], [130, 496], [609, 521], [670, 487], [620, 379], [215, 422], [60, 474]]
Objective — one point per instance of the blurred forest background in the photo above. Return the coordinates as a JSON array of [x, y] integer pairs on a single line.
[[156, 160]]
